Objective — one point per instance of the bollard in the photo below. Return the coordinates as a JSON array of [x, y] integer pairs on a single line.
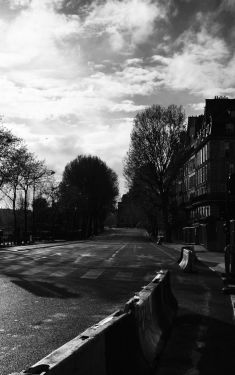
[[187, 260]]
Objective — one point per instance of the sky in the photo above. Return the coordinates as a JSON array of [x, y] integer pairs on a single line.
[[74, 73]]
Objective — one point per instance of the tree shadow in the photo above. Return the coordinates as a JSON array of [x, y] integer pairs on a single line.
[[199, 344], [44, 289]]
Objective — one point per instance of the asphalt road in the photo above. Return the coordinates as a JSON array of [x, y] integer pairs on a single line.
[[50, 294]]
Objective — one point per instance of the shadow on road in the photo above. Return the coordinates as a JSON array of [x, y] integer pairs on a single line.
[[44, 289], [201, 345]]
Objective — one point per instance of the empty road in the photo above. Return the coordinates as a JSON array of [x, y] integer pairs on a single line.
[[51, 293]]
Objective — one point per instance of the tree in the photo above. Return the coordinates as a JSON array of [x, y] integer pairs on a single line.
[[32, 173], [12, 179], [22, 171], [47, 191], [8, 143], [89, 188], [154, 154]]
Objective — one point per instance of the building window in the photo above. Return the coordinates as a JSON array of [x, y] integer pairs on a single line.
[[203, 211], [192, 181], [202, 155]]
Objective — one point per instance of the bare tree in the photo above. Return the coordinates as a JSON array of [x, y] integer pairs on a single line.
[[12, 179], [45, 198], [156, 142], [8, 143], [34, 174], [22, 171]]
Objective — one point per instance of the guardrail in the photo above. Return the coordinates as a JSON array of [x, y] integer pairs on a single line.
[[126, 342]]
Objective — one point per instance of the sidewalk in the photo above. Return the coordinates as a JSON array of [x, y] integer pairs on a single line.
[[212, 259], [203, 338]]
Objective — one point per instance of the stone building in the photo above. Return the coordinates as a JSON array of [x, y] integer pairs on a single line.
[[201, 185]]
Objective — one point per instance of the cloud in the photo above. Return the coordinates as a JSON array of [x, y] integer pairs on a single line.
[[15, 4], [33, 36], [202, 64], [126, 23], [198, 106], [75, 73], [63, 143], [19, 4], [126, 106], [228, 5], [44, 72]]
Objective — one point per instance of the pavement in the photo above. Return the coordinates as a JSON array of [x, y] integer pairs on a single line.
[[203, 337]]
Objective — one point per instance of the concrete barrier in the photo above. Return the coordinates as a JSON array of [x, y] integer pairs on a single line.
[[187, 260], [126, 342], [187, 247], [168, 302], [154, 310]]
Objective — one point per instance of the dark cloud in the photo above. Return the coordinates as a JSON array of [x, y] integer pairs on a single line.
[[75, 7], [216, 15]]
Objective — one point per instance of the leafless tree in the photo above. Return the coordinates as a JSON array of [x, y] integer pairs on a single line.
[[8, 143], [153, 156]]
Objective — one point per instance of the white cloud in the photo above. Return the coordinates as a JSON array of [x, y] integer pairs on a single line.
[[14, 4], [42, 68], [203, 65], [32, 37], [198, 106], [127, 23], [134, 61], [62, 144], [126, 106], [71, 83]]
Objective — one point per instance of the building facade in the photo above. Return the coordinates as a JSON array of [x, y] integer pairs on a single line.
[[201, 185]]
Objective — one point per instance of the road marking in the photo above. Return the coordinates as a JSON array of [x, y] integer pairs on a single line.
[[218, 268], [83, 256], [164, 252], [92, 274], [111, 259], [125, 276], [59, 273]]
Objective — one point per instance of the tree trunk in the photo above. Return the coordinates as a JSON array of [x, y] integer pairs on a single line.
[[25, 215], [15, 218], [165, 213]]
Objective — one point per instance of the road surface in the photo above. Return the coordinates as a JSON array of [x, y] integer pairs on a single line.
[[51, 293]]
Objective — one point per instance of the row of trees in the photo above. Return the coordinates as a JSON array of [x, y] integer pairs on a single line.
[[153, 160], [22, 176], [76, 206]]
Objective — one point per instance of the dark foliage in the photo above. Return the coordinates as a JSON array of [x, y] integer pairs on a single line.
[[87, 194]]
